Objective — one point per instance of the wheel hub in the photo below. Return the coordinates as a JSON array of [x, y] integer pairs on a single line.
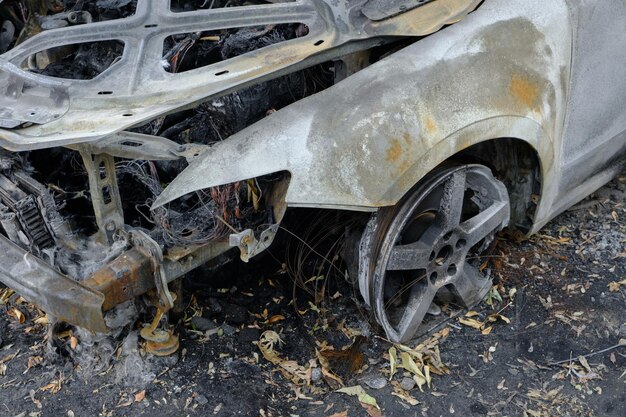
[[448, 252]]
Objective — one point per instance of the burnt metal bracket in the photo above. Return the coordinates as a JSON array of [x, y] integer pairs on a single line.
[[160, 342], [249, 245], [105, 194], [140, 240]]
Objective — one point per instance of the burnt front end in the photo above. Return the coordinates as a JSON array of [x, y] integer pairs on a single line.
[[104, 104]]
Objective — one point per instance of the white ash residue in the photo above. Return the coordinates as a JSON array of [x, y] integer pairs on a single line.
[[114, 355]]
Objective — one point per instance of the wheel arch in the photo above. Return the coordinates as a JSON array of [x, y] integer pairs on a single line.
[[516, 149]]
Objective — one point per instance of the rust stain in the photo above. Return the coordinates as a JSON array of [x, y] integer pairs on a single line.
[[394, 152], [400, 154], [430, 125], [524, 90]]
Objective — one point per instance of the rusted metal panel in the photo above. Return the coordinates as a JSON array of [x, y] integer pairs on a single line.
[[498, 73], [131, 274], [123, 279]]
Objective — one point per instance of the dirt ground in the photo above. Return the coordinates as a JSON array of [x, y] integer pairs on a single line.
[[550, 340]]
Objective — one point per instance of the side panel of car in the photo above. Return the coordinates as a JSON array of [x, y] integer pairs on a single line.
[[362, 144], [595, 127]]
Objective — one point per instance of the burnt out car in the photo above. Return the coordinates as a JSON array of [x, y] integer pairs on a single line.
[[143, 138]]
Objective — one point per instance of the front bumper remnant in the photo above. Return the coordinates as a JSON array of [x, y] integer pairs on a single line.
[[84, 303], [51, 291]]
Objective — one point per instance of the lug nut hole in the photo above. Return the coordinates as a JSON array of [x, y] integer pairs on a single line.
[[452, 270], [461, 244], [443, 255]]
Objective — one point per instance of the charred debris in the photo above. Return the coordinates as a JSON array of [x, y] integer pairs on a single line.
[[54, 182]]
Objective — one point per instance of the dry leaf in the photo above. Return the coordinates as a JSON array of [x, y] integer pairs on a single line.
[[341, 414], [494, 317], [73, 342], [35, 400], [406, 397], [34, 361], [17, 315], [409, 364], [615, 286], [486, 331], [139, 396], [360, 393], [290, 369], [472, 323], [275, 319], [393, 361], [371, 410], [584, 363]]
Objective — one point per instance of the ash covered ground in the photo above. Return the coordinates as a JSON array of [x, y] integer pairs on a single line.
[[546, 342]]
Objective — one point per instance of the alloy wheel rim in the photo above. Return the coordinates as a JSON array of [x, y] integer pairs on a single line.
[[438, 258]]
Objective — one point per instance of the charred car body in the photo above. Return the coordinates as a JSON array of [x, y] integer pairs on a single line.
[[142, 139]]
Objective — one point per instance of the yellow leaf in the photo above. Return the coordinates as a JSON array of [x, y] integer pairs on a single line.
[[393, 361], [472, 323], [360, 393], [409, 364], [471, 313], [419, 381], [486, 331], [73, 342]]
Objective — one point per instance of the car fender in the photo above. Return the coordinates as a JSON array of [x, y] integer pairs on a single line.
[[363, 143]]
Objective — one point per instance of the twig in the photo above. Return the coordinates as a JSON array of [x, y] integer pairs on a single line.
[[589, 354]]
